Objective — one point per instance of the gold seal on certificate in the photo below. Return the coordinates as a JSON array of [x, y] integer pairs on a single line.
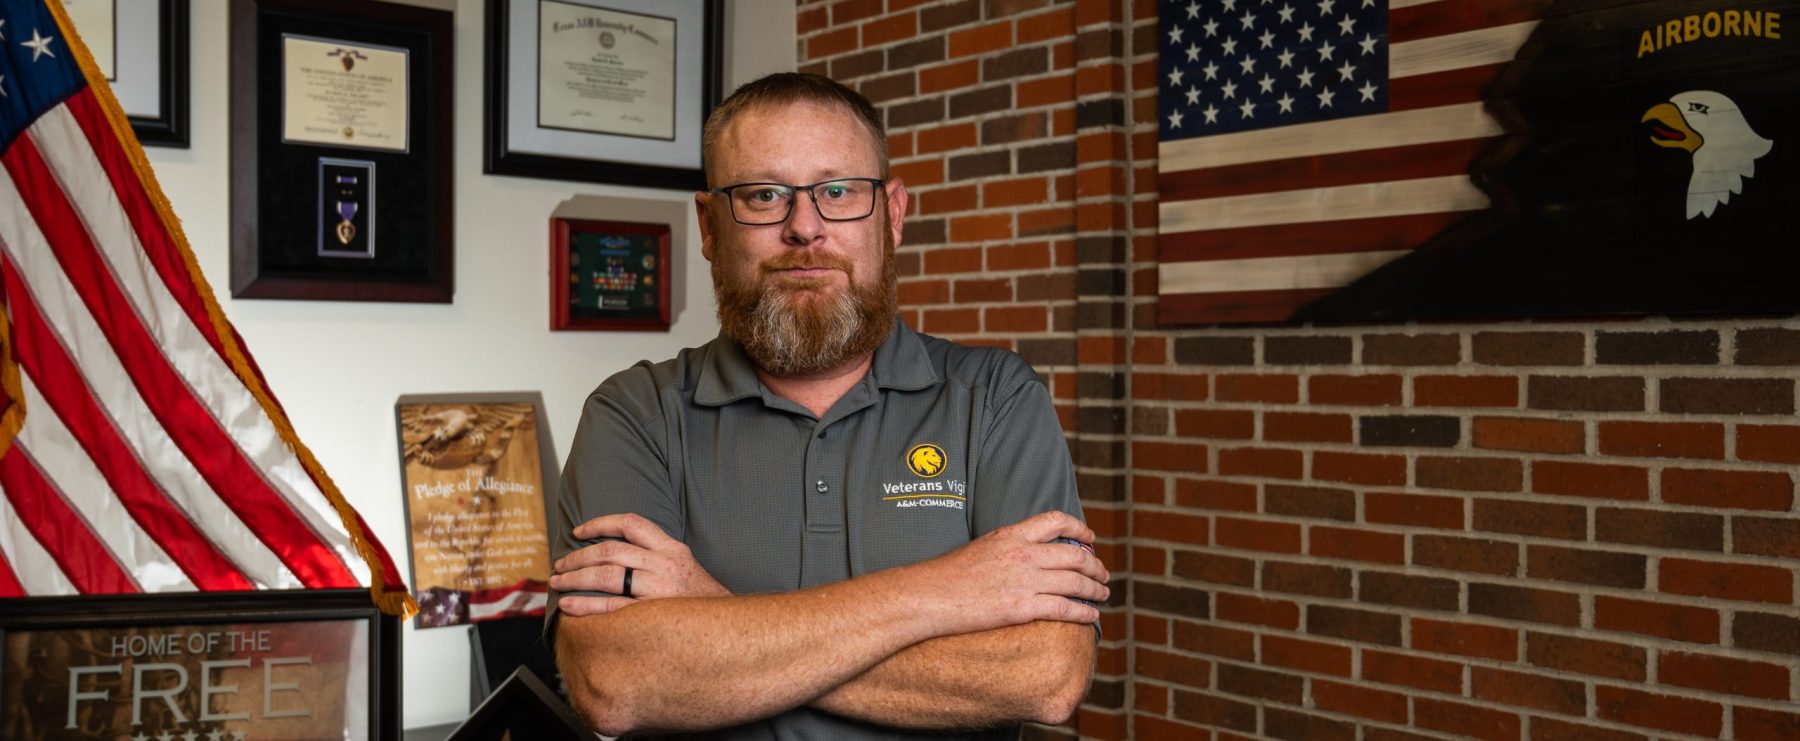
[[337, 93], [605, 71]]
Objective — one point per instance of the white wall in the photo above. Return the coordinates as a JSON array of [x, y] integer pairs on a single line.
[[338, 366]]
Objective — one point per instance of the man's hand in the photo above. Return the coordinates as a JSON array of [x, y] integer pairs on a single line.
[[1016, 575], [661, 567]]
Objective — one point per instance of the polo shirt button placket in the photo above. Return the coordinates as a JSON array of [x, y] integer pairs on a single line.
[[822, 487]]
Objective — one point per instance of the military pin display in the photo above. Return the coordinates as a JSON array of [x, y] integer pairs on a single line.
[[609, 275]]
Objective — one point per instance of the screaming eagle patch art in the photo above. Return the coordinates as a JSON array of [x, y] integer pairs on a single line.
[[1646, 166]]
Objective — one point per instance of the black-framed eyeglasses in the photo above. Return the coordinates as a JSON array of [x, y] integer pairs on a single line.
[[761, 204]]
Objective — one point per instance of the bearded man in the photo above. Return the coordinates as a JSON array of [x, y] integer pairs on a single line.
[[821, 524]]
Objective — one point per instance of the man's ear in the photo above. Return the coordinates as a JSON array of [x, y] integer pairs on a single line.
[[896, 205], [703, 202]]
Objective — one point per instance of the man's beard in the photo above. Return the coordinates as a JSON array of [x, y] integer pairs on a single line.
[[788, 330]]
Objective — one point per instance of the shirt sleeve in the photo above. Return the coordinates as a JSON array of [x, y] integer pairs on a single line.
[[617, 464], [1024, 468]]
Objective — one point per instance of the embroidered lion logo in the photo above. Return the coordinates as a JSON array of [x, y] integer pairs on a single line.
[[926, 460]]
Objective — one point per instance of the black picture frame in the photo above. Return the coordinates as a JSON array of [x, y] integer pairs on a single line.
[[202, 609], [624, 160], [278, 186], [167, 126], [523, 707]]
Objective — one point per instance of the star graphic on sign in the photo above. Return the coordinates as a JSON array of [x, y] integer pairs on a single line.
[[39, 45], [1347, 26], [1368, 44], [1249, 20], [1325, 96], [1287, 13], [1348, 71], [1287, 103], [1212, 27], [1306, 75], [1325, 6], [1306, 30], [1211, 113], [1230, 89], [1193, 96], [1174, 34], [1286, 57], [190, 736], [1368, 3], [217, 735], [165, 736], [1230, 46], [1247, 64], [1212, 71], [1193, 10], [1267, 83], [239, 735], [1175, 120], [1247, 109], [1175, 77], [1267, 39], [140, 737], [1193, 52], [1368, 91], [1325, 51]]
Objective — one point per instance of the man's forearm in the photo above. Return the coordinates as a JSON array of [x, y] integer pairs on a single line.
[[688, 664], [1033, 672]]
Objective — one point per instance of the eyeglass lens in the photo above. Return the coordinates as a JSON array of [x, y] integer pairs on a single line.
[[768, 203]]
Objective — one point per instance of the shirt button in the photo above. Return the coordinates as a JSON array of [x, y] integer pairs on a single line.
[[822, 487]]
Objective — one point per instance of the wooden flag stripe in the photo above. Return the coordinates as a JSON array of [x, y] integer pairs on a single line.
[[1344, 202], [1435, 159], [1317, 238]]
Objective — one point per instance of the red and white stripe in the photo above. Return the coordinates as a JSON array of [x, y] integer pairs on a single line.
[[1254, 225], [146, 461]]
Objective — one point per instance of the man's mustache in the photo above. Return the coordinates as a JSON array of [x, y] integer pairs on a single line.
[[801, 261]]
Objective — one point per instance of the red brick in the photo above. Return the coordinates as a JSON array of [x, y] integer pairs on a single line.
[[1267, 462], [953, 260], [1772, 443], [1466, 720], [944, 138], [1764, 490], [919, 173], [850, 11], [915, 292], [1357, 545], [1412, 671], [1055, 24], [1529, 435], [952, 321], [1469, 473], [949, 77], [1149, 560], [831, 43], [948, 200], [1663, 439], [1304, 655], [1732, 581], [981, 39], [1100, 724], [1662, 712], [1301, 427], [1150, 698], [1593, 480], [1045, 221], [1028, 256], [808, 21], [890, 29], [1551, 729], [1360, 468], [981, 228], [1228, 424], [1273, 613], [1217, 640], [1100, 350], [1382, 390], [1465, 391], [1159, 456], [1674, 622], [1349, 699], [1723, 674], [1256, 535], [1465, 639], [1017, 319], [1757, 724], [1586, 656], [1529, 690], [1168, 386], [1170, 526], [1149, 350], [1152, 728], [982, 291], [1269, 389], [1416, 510], [1020, 192], [1212, 494], [1045, 91], [1174, 668]]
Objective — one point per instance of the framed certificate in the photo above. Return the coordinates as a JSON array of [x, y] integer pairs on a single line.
[[341, 177], [611, 91], [218, 665], [609, 275], [141, 46]]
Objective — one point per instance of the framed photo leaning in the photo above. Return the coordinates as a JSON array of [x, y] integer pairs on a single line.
[[141, 46], [341, 144], [606, 91], [609, 275]]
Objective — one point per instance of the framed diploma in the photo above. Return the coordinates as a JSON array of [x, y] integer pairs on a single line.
[[142, 48], [608, 275], [610, 91], [341, 178], [221, 665]]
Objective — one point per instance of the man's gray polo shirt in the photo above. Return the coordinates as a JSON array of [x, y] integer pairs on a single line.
[[937, 445]]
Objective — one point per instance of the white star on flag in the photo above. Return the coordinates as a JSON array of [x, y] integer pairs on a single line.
[[1325, 51], [1174, 34], [1246, 109], [1348, 71], [1267, 83], [1367, 90], [1175, 120], [1325, 6], [1212, 114], [1325, 96], [39, 45], [1287, 103], [1346, 26]]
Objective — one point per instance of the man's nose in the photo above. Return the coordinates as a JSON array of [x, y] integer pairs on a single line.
[[804, 225]]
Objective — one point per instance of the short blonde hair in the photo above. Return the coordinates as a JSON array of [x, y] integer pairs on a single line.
[[787, 88]]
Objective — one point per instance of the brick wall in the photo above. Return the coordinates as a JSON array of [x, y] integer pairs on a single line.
[[1550, 530]]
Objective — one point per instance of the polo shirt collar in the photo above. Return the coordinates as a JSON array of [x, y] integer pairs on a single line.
[[900, 363]]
